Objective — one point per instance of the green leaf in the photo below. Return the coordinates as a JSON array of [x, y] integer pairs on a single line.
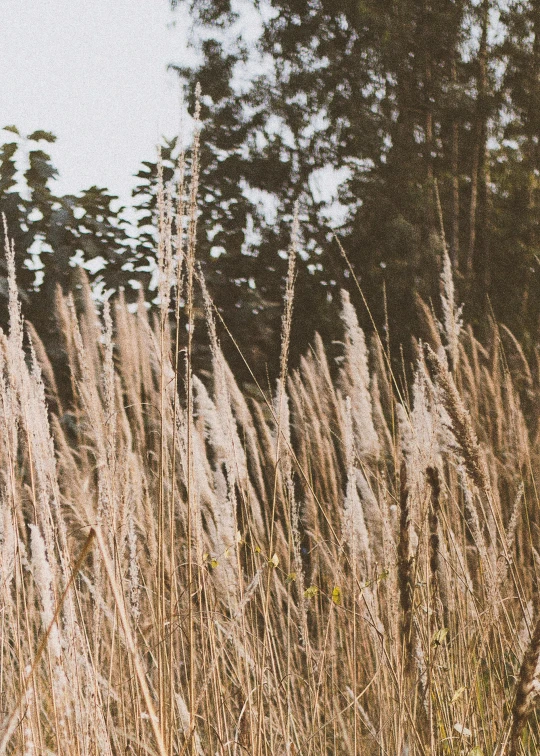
[[439, 636], [336, 595], [46, 136], [311, 592], [459, 692]]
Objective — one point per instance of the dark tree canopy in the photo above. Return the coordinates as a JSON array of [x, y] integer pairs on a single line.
[[53, 234], [401, 100], [383, 118]]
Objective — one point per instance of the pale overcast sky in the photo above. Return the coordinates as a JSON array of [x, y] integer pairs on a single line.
[[94, 73]]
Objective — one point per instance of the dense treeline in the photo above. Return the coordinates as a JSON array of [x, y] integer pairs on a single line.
[[399, 97], [383, 118]]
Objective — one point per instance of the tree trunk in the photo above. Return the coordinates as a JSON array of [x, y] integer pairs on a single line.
[[532, 156], [478, 221]]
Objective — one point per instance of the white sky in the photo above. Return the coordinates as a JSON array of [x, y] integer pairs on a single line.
[[94, 73]]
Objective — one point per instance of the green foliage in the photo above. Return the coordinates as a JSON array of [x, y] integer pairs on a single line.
[[398, 104], [402, 97], [52, 232]]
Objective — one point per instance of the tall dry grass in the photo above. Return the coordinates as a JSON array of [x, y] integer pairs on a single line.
[[337, 567]]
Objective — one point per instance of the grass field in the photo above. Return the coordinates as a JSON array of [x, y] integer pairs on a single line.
[[346, 564]]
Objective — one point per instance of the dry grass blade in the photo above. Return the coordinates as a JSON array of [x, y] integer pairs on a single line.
[[267, 580], [130, 643], [526, 690], [11, 723]]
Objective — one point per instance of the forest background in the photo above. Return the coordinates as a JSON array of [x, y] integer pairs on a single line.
[[391, 122]]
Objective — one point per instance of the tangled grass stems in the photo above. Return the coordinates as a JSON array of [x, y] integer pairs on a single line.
[[340, 568]]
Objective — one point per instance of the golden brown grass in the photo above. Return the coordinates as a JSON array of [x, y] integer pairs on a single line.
[[330, 569]]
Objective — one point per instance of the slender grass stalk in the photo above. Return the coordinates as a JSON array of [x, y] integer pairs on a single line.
[[11, 721], [266, 579]]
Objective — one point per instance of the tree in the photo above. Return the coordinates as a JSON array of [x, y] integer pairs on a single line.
[[515, 172], [378, 93], [52, 233]]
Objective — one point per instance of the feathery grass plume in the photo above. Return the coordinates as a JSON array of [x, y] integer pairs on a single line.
[[8, 547], [373, 515], [434, 541], [134, 570], [405, 571], [323, 372], [471, 513], [389, 601], [9, 500], [28, 396], [525, 630], [354, 526], [475, 465], [84, 305], [292, 510], [95, 425], [516, 433], [485, 572], [452, 320], [14, 305], [44, 579], [468, 381], [520, 367], [420, 431], [381, 369], [248, 434], [511, 528], [165, 256], [379, 420], [284, 486], [109, 374], [527, 689], [289, 298], [46, 369], [277, 529], [223, 505], [129, 366], [28, 732], [322, 435], [183, 714], [233, 452], [429, 329], [356, 380], [193, 514], [461, 422]]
